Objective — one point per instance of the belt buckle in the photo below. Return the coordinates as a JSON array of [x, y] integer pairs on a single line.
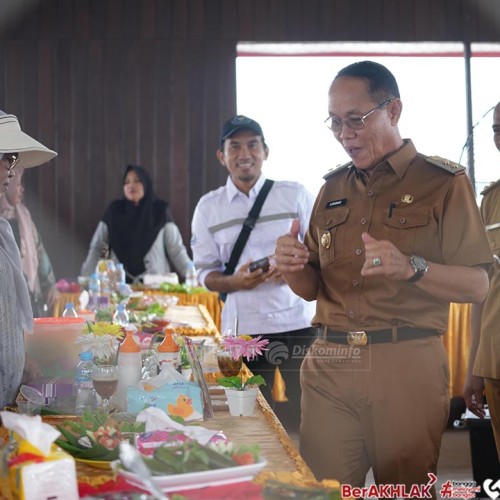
[[357, 338]]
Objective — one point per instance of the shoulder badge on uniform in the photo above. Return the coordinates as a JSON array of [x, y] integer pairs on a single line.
[[490, 187], [336, 169], [448, 165]]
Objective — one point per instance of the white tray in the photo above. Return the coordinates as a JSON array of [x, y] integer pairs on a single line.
[[192, 480]]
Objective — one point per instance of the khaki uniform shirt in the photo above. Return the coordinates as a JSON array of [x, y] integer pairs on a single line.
[[487, 362], [423, 208]]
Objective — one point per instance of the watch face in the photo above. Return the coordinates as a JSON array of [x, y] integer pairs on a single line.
[[419, 266], [418, 263]]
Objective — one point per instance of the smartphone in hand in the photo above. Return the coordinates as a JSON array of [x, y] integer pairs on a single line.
[[263, 264]]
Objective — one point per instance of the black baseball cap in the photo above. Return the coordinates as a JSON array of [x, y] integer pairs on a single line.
[[239, 122]]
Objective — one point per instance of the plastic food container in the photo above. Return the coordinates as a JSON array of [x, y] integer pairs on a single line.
[[52, 345]]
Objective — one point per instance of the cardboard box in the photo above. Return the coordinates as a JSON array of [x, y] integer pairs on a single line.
[[53, 387], [484, 456]]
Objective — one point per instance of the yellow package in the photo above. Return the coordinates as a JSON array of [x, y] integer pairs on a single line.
[[53, 477], [32, 467]]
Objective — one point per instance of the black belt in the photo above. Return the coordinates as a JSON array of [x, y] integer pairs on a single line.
[[363, 337]]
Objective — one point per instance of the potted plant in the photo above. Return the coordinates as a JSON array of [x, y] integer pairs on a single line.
[[241, 394], [185, 364]]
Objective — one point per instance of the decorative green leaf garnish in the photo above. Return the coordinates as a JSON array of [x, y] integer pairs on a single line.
[[180, 288], [191, 456], [155, 309], [238, 384], [103, 432]]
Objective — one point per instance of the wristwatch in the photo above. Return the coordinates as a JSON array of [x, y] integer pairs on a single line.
[[420, 267]]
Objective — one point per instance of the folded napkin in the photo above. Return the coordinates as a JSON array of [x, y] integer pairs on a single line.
[[158, 420]]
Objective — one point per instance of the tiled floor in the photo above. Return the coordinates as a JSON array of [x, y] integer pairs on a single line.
[[455, 459]]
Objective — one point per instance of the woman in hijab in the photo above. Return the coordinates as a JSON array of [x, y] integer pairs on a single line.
[[35, 262], [17, 149], [139, 232]]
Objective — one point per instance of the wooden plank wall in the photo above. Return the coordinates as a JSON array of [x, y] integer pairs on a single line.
[[112, 82]]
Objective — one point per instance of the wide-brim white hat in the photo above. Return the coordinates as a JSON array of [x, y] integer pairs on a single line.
[[14, 140]]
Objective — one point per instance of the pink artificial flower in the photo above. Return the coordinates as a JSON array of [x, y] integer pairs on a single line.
[[246, 346]]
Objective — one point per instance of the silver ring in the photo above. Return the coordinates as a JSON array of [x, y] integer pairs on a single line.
[[377, 262]]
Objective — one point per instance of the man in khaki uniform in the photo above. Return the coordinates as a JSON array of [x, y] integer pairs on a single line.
[[394, 237], [484, 360]]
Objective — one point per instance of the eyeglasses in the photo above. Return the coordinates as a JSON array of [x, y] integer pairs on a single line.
[[12, 159], [353, 122]]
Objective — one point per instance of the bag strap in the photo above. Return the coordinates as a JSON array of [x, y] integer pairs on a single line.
[[247, 227]]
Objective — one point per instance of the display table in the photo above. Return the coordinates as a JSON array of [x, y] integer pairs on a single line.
[[263, 427], [208, 299], [456, 338], [284, 463]]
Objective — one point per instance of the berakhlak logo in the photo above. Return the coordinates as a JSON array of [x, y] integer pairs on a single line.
[[277, 352], [492, 489], [392, 490]]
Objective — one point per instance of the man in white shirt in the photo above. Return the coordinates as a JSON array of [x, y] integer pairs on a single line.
[[259, 300]]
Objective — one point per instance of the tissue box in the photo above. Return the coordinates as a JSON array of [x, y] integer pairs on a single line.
[[53, 477], [176, 399]]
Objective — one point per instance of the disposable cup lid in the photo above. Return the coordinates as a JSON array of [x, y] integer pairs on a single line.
[[32, 395]]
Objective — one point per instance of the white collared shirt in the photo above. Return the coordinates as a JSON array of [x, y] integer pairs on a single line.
[[217, 222]]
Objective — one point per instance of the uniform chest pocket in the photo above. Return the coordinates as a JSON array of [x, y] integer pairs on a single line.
[[404, 229], [330, 233], [493, 234]]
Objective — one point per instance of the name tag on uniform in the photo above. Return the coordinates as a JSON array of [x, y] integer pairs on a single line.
[[336, 203]]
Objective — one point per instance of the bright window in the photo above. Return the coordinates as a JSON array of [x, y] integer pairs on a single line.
[[485, 75], [285, 88]]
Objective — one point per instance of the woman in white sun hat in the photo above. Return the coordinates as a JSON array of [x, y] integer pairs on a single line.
[[17, 149]]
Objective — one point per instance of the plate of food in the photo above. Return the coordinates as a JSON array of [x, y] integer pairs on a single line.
[[94, 439], [178, 462]]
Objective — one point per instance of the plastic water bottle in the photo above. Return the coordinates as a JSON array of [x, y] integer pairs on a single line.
[[84, 388], [191, 280], [121, 316], [70, 311], [103, 272], [120, 270], [94, 291]]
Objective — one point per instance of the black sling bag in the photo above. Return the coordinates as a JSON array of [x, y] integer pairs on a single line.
[[246, 229]]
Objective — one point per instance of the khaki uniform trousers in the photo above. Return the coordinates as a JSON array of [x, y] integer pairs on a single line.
[[492, 390], [383, 406]]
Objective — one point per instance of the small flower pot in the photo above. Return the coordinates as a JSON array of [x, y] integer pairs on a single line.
[[241, 403], [187, 373]]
